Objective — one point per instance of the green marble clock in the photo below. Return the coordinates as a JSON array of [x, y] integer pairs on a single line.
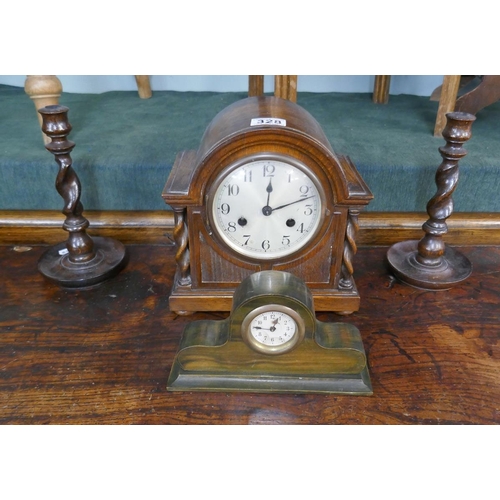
[[271, 342]]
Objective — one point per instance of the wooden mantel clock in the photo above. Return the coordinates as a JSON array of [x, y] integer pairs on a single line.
[[264, 191]]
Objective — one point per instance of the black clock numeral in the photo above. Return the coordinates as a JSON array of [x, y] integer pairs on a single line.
[[303, 191], [308, 210], [301, 229], [266, 245], [248, 175], [268, 170], [285, 240], [231, 227], [247, 236], [225, 208], [233, 189]]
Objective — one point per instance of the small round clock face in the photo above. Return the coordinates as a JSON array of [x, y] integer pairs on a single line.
[[273, 329], [267, 208]]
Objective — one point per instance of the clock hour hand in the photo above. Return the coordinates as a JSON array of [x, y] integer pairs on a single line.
[[269, 190], [291, 203], [267, 210], [272, 329]]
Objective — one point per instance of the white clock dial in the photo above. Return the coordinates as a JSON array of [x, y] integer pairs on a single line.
[[267, 208], [273, 328]]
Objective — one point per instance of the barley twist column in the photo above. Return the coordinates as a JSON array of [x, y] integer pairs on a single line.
[[350, 249], [181, 241]]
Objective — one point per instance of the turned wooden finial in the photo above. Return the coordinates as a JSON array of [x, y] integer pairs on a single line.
[[429, 263], [44, 90], [81, 260]]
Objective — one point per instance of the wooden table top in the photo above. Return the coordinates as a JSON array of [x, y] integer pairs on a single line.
[[103, 355]]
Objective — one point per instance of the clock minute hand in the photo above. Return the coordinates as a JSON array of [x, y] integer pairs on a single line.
[[296, 201]]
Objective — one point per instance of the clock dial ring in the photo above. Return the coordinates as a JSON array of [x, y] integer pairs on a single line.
[[266, 206], [273, 329]]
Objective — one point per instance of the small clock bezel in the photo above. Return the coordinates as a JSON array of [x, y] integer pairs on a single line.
[[259, 347], [210, 200]]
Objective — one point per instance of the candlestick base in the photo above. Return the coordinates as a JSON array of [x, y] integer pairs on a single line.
[[452, 269], [110, 258]]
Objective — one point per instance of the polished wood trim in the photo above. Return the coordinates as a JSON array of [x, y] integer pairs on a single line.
[[155, 227], [45, 226], [464, 228]]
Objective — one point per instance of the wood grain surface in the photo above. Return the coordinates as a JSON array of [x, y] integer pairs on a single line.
[[103, 355]]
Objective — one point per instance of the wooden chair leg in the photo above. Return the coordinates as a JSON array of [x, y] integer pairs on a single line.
[[143, 86], [285, 86], [44, 90], [486, 93], [446, 102], [381, 89], [255, 85]]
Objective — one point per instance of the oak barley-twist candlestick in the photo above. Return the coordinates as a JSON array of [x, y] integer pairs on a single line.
[[80, 261], [429, 263]]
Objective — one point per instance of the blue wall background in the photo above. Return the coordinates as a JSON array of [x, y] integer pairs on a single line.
[[421, 85]]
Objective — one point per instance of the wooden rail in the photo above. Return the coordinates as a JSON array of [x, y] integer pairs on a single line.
[[155, 227]]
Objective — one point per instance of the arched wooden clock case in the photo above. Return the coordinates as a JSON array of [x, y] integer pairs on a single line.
[[254, 130]]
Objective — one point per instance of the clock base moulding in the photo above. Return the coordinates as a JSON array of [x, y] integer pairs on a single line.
[[232, 366], [185, 301]]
